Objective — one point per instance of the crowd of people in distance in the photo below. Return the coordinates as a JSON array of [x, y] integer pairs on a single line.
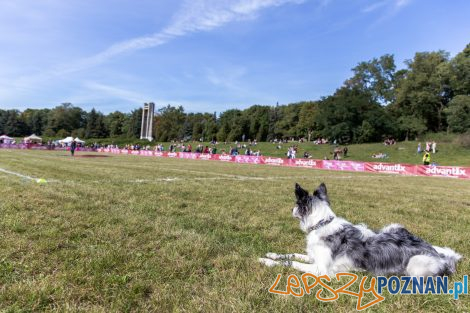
[[431, 146], [320, 141], [248, 148], [390, 141], [235, 150], [137, 147]]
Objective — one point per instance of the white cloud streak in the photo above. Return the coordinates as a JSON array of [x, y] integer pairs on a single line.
[[194, 16], [374, 6], [116, 92], [393, 5]]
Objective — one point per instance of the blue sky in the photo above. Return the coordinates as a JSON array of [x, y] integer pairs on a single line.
[[207, 55]]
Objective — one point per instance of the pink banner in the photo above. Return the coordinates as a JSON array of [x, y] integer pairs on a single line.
[[224, 158], [274, 161], [444, 171], [248, 159], [206, 156], [343, 165], [146, 152], [403, 169], [188, 155], [309, 163]]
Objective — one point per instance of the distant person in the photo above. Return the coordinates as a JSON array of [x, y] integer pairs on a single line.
[[335, 155], [419, 148], [426, 158], [345, 151], [433, 147], [73, 146]]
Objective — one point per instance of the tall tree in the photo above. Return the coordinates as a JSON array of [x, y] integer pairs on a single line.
[[458, 114], [459, 72], [424, 91], [115, 123], [351, 115], [12, 124], [133, 124], [95, 127], [170, 123], [65, 118], [377, 77], [307, 125]]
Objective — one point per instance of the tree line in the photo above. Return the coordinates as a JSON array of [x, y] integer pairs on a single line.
[[431, 94]]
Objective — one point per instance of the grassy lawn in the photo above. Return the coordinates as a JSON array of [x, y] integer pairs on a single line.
[[125, 233]]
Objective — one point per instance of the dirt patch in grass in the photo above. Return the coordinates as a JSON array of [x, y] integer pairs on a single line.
[[90, 156]]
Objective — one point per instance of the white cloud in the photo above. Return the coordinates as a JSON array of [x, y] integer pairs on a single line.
[[194, 16], [115, 92], [391, 8], [374, 6], [393, 5]]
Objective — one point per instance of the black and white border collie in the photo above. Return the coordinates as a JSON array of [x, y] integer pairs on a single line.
[[335, 245]]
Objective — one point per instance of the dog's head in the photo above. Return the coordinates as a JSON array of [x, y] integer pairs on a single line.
[[307, 205]]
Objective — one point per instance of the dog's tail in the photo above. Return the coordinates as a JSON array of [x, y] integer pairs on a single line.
[[450, 258]]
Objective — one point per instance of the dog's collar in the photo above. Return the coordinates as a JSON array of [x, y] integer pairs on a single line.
[[320, 224]]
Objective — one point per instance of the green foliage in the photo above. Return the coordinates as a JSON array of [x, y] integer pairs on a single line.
[[115, 123], [376, 77], [95, 126], [423, 91], [11, 123], [352, 115], [66, 117], [459, 72], [411, 126], [133, 124], [171, 123], [458, 114]]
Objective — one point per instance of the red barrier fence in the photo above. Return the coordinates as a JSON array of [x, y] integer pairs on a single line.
[[352, 166]]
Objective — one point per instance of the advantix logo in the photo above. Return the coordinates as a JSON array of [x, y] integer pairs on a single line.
[[446, 171], [405, 285], [386, 167]]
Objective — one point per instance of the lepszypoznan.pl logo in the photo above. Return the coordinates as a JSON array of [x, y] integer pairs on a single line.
[[405, 285]]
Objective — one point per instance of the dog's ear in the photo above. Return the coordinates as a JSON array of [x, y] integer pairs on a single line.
[[300, 193], [321, 192]]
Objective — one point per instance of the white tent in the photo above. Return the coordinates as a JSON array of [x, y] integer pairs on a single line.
[[6, 139], [32, 138], [78, 140], [66, 140]]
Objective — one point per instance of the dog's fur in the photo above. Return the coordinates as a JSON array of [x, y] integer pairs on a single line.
[[334, 245]]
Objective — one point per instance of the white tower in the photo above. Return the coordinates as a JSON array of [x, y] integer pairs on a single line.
[[147, 121]]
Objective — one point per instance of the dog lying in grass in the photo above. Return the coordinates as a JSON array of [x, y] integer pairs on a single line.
[[335, 245]]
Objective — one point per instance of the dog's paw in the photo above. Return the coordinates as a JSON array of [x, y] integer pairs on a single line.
[[268, 262], [273, 256]]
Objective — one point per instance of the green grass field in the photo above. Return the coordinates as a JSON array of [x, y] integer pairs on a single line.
[[136, 234]]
